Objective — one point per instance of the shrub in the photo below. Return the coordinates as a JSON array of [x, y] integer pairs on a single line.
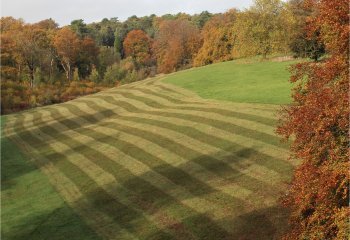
[[94, 76], [76, 75], [113, 74]]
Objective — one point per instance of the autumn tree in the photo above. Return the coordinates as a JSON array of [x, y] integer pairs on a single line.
[[176, 44], [67, 45], [137, 45], [87, 57], [318, 124], [50, 27], [10, 62], [218, 39], [32, 44], [262, 29]]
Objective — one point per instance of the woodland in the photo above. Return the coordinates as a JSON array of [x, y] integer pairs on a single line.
[[42, 63]]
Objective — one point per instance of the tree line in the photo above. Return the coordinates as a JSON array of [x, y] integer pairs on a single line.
[[83, 58]]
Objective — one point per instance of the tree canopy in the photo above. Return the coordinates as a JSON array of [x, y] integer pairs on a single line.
[[318, 122]]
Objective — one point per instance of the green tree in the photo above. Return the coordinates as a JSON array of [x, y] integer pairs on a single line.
[[79, 27], [201, 19], [94, 75], [38, 77], [114, 74], [304, 43], [106, 57]]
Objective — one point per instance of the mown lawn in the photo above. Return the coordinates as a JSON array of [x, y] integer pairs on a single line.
[[147, 160], [30, 207], [256, 82]]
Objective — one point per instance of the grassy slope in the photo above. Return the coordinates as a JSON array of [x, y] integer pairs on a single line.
[[152, 161], [30, 207], [257, 82]]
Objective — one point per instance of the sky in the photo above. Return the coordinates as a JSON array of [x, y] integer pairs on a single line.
[[64, 11]]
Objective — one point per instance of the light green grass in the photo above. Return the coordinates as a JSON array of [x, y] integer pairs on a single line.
[[147, 160], [256, 82], [30, 207]]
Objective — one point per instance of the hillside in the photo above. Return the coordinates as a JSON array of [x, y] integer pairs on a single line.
[[236, 81], [151, 160]]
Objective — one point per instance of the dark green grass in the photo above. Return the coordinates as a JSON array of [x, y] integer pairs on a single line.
[[30, 207], [257, 82]]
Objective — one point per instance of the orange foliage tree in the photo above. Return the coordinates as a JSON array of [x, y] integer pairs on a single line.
[[318, 121], [87, 56], [137, 45], [177, 43], [67, 45], [218, 39], [10, 58], [32, 44]]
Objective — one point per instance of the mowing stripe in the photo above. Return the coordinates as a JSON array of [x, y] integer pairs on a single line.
[[256, 132], [248, 108], [227, 174], [198, 154], [96, 150], [212, 109], [261, 106], [168, 97], [166, 138], [104, 118], [228, 159], [95, 134], [88, 167], [177, 89], [213, 162], [227, 134], [244, 141], [135, 107], [267, 108], [108, 183], [80, 148], [104, 141], [100, 223], [160, 103]]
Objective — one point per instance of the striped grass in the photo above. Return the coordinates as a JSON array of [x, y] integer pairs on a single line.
[[153, 161]]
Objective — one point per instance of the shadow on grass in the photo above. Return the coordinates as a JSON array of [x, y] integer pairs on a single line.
[[60, 223], [144, 197], [263, 224], [13, 164]]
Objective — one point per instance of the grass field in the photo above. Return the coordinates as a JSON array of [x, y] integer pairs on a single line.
[[30, 206], [255, 82], [148, 160]]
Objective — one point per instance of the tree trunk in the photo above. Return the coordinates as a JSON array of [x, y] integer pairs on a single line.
[[31, 77], [51, 69], [69, 72], [67, 68]]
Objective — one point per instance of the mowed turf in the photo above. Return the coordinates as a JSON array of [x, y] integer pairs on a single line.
[[150, 160], [254, 82], [31, 209]]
